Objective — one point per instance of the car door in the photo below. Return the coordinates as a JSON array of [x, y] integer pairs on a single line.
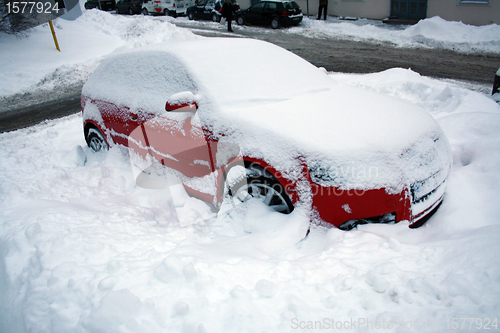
[[123, 6], [254, 14], [199, 9], [207, 12], [269, 11], [177, 141]]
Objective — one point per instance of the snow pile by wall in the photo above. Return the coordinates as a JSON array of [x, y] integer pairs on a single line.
[[432, 32]]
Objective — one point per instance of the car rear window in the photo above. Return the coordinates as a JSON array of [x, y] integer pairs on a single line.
[[291, 5]]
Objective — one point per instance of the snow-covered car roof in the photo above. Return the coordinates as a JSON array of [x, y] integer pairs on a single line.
[[277, 107]]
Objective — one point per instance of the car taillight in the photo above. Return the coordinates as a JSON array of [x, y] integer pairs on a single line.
[[284, 14], [133, 4], [239, 7], [220, 10]]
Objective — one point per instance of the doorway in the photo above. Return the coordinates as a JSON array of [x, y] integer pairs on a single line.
[[409, 9]]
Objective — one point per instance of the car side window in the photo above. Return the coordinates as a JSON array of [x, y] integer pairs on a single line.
[[271, 7], [259, 6], [141, 80]]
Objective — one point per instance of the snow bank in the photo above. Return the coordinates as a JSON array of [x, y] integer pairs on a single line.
[[83, 249], [428, 33]]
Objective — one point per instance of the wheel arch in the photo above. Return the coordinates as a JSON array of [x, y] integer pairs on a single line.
[[265, 169], [275, 17], [91, 124]]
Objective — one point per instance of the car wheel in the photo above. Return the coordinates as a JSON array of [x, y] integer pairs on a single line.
[[95, 140], [130, 11], [240, 20], [190, 16], [275, 23], [215, 18], [145, 11], [261, 187], [117, 10]]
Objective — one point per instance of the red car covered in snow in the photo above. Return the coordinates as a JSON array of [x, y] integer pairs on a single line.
[[267, 124]]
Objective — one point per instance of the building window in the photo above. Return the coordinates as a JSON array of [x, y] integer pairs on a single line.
[[474, 2]]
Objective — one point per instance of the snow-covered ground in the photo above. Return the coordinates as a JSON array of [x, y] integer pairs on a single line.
[[82, 249]]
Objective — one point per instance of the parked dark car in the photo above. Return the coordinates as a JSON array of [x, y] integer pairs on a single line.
[[209, 10], [129, 7], [496, 87], [100, 4], [276, 13]]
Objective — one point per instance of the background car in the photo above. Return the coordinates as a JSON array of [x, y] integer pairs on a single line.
[[209, 10], [129, 7], [275, 13], [166, 7], [100, 4], [289, 136], [496, 87]]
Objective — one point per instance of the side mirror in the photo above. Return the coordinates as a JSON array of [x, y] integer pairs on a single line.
[[182, 102]]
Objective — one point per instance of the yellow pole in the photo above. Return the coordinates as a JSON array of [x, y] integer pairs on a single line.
[[54, 36]]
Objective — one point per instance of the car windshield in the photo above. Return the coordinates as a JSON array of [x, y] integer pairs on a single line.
[[271, 74]]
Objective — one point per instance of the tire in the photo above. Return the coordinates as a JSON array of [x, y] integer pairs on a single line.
[[145, 11], [117, 10], [275, 23], [95, 140], [130, 12], [190, 16], [215, 18], [240, 20], [262, 187]]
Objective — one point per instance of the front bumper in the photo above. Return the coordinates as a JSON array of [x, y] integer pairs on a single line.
[[347, 208]]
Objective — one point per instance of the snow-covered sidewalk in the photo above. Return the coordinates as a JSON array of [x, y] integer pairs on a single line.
[[428, 33]]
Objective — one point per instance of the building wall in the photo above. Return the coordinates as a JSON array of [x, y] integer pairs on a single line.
[[374, 9], [453, 10]]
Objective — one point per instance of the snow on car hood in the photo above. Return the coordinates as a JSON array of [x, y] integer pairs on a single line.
[[350, 138]]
